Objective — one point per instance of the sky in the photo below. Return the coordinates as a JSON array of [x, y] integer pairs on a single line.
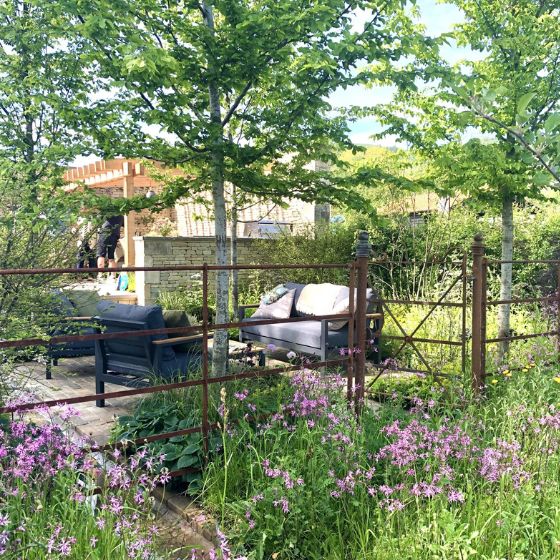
[[438, 17]]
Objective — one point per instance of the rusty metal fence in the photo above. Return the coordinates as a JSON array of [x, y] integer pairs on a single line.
[[454, 296], [482, 303], [469, 301], [352, 363]]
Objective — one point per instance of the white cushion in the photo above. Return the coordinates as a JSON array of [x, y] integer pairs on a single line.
[[317, 299]]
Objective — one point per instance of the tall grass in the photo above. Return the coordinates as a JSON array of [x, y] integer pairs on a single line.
[[452, 478]]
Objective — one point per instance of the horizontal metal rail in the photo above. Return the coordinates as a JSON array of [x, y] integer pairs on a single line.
[[521, 300], [171, 386], [428, 340], [520, 337], [413, 262], [529, 261], [419, 302], [410, 370], [23, 342], [178, 268]]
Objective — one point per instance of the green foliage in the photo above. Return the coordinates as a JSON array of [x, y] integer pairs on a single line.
[[181, 409], [328, 244], [188, 299], [331, 513]]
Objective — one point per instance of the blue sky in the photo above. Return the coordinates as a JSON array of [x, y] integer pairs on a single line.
[[438, 18]]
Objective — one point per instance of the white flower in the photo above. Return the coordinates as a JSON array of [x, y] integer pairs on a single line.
[[291, 355]]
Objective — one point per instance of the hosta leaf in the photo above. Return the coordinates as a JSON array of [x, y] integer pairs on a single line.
[[187, 461]]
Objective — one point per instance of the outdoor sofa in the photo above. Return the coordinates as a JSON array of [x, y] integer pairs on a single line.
[[136, 361], [313, 337]]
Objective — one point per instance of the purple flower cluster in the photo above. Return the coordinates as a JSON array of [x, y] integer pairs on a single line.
[[43, 469]]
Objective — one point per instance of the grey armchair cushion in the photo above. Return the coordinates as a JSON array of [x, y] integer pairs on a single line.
[[152, 315], [181, 364]]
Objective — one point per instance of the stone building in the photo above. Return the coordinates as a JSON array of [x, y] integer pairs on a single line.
[[126, 178]]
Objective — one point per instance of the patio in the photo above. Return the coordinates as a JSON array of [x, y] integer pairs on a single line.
[[75, 377]]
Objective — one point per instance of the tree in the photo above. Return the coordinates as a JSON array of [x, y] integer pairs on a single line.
[[185, 75], [43, 89], [512, 84]]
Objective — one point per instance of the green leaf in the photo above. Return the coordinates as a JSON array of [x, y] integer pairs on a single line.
[[524, 101], [187, 461], [542, 178], [171, 451], [190, 449], [552, 122]]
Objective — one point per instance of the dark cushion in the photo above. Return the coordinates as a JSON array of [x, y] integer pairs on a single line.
[[176, 318], [61, 304], [84, 301], [306, 333], [183, 363], [151, 315], [63, 307]]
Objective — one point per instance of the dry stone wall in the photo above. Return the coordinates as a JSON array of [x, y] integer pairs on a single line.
[[176, 251]]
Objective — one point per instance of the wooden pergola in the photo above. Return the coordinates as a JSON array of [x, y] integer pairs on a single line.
[[118, 178]]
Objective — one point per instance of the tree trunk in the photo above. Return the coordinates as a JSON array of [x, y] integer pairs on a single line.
[[233, 256], [220, 347], [504, 311]]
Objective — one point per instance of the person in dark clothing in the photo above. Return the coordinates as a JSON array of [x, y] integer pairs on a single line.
[[86, 253], [109, 235], [86, 258]]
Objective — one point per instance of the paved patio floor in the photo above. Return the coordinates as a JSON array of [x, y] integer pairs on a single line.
[[75, 377]]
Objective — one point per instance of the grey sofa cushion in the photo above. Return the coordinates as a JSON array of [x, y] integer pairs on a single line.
[[306, 333], [152, 315], [280, 309]]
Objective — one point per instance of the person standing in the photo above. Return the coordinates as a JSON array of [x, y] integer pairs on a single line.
[[85, 256], [109, 235]]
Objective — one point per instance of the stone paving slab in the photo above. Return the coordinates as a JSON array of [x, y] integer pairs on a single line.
[[75, 377]]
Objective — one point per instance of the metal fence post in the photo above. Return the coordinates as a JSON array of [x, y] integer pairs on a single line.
[[363, 249], [205, 423], [351, 310], [479, 270]]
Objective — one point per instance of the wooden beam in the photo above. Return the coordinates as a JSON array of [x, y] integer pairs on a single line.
[[129, 222]]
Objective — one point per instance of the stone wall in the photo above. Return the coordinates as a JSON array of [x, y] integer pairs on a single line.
[[175, 251]]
